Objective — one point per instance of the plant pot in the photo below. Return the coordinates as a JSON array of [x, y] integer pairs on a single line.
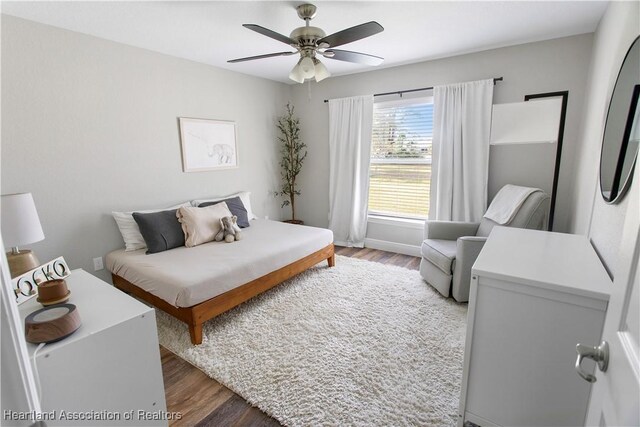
[[294, 221]]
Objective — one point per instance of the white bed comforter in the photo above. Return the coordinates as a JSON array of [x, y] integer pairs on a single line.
[[188, 276]]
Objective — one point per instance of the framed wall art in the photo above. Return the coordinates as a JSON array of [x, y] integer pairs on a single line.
[[208, 144]]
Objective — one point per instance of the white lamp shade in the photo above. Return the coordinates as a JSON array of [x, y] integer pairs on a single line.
[[20, 221], [296, 74], [321, 71], [307, 66]]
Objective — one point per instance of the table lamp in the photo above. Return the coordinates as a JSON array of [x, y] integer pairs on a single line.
[[20, 226]]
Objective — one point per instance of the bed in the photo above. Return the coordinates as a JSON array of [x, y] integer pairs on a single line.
[[196, 284]]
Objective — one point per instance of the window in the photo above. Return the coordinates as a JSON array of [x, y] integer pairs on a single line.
[[400, 171]]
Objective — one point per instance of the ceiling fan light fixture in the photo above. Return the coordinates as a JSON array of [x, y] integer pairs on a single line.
[[309, 42], [321, 71], [296, 73], [308, 67]]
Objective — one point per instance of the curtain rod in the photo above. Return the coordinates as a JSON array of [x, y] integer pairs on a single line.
[[400, 92]]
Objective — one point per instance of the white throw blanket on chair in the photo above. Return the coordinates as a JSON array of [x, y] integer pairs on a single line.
[[507, 202]]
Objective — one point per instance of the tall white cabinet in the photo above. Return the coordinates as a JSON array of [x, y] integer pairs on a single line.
[[108, 373], [534, 296]]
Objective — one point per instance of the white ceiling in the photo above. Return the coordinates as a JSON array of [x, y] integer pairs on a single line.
[[211, 32]]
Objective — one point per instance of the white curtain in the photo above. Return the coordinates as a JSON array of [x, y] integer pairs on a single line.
[[350, 127], [461, 131]]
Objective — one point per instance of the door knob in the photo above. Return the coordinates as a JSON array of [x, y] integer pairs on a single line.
[[599, 354]]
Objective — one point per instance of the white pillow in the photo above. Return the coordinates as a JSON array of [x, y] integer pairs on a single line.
[[200, 225], [245, 196], [129, 229]]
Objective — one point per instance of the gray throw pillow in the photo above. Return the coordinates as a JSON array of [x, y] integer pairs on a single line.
[[236, 207], [161, 230]]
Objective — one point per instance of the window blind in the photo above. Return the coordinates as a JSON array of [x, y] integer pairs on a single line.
[[400, 172]]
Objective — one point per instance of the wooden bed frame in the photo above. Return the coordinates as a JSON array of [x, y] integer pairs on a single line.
[[196, 315]]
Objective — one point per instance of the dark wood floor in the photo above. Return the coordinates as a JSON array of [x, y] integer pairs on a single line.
[[203, 401], [383, 257]]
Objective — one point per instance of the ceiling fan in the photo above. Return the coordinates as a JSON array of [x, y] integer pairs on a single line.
[[311, 42]]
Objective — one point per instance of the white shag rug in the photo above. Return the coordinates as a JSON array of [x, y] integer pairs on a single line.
[[359, 344]]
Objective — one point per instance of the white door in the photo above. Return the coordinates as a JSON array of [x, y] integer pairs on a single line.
[[615, 397]]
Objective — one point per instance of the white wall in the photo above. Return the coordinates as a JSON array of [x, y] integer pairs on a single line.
[[90, 126], [590, 215], [547, 66]]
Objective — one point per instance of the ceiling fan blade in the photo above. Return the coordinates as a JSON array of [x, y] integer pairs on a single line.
[[268, 55], [269, 33], [352, 34], [357, 57]]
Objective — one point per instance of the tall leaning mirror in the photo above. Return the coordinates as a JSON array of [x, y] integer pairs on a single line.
[[622, 129]]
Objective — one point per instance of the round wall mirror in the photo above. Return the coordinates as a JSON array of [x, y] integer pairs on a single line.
[[622, 129]]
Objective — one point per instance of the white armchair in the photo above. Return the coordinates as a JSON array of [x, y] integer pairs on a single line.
[[450, 247]]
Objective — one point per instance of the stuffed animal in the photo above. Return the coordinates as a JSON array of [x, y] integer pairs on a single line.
[[230, 231]]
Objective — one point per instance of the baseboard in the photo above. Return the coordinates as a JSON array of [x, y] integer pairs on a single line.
[[400, 248]]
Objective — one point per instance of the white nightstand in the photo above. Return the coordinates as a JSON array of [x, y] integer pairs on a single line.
[[534, 296], [110, 366]]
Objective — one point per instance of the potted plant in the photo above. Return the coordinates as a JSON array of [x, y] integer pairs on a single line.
[[293, 152]]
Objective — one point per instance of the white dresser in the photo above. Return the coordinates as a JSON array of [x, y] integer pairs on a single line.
[[534, 296], [109, 366]]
